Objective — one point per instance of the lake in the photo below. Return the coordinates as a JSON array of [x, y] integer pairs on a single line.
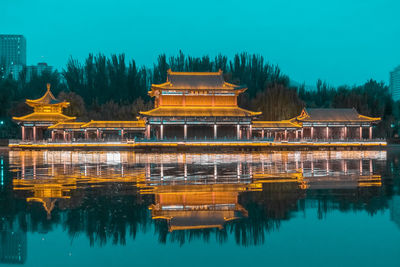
[[317, 208]]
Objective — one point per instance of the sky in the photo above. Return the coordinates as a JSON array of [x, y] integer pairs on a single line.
[[339, 41]]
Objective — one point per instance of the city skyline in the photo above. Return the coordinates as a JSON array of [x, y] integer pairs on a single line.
[[395, 83], [341, 43]]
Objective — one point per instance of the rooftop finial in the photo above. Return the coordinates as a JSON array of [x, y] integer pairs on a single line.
[[48, 86]]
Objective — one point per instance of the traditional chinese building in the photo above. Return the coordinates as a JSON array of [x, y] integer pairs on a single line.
[[335, 123], [47, 111], [319, 124], [197, 105], [97, 130], [197, 206], [276, 130], [194, 106]]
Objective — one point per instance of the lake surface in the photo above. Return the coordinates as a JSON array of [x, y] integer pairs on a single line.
[[62, 208]]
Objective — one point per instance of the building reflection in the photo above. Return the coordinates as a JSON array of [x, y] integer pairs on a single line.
[[187, 191]]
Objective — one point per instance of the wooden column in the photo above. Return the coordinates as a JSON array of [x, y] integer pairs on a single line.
[[302, 133], [297, 137], [238, 131], [215, 131], [122, 134], [161, 132], [327, 167], [185, 170], [312, 167], [98, 134], [371, 170], [285, 134], [52, 135], [327, 132], [147, 132], [250, 131], [360, 132], [312, 132], [262, 134], [34, 133], [23, 132], [185, 131], [345, 132], [370, 132], [65, 136]]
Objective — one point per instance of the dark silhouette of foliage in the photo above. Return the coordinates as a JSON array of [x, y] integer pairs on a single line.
[[110, 88]]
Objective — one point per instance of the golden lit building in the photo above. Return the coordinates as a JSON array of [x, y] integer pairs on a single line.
[[47, 111], [197, 206], [197, 105], [277, 130], [335, 123], [98, 130], [320, 124]]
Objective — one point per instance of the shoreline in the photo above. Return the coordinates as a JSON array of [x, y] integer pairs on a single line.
[[199, 146]]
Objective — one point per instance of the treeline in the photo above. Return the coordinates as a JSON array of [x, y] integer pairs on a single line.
[[112, 88]]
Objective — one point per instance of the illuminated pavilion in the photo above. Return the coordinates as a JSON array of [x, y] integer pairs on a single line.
[[335, 123], [47, 111], [197, 105], [318, 124]]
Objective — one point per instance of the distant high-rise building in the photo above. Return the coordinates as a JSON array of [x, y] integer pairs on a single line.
[[14, 70], [37, 70], [12, 50], [395, 83]]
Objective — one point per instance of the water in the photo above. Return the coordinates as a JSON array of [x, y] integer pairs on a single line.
[[124, 208]]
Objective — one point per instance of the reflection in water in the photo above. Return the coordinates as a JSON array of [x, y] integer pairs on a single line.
[[13, 246], [111, 195]]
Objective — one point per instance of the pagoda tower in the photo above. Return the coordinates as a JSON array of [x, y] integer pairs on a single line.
[[47, 111]]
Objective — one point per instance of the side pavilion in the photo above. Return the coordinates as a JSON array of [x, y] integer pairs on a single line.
[[47, 111]]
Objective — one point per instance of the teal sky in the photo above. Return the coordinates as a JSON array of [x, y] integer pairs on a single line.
[[340, 41]]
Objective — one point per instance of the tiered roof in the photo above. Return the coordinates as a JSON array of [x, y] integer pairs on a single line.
[[190, 111], [47, 99], [284, 124], [44, 117], [333, 115], [198, 84], [46, 109], [196, 81], [197, 207], [140, 124], [115, 124], [67, 125]]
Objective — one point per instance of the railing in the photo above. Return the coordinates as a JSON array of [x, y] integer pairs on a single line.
[[192, 140]]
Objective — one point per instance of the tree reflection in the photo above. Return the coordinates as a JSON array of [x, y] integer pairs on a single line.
[[241, 197]]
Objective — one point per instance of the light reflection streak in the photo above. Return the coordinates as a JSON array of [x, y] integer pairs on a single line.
[[206, 187]]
